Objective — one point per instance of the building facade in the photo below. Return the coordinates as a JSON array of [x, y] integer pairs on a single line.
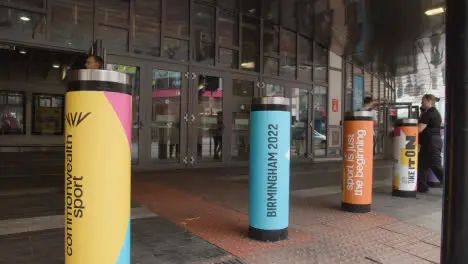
[[195, 67]]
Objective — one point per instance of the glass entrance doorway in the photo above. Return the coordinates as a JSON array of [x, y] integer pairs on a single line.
[[308, 129], [219, 119], [182, 118], [388, 114], [134, 72]]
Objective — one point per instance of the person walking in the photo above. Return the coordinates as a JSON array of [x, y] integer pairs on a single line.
[[430, 154]]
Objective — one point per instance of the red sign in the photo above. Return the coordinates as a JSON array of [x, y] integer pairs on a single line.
[[393, 112], [334, 105]]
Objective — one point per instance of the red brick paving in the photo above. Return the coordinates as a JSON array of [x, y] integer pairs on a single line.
[[319, 233], [219, 225]]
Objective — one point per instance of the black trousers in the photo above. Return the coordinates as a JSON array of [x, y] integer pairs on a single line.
[[430, 157]]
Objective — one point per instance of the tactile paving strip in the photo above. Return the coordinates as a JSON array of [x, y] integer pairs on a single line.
[[218, 225]]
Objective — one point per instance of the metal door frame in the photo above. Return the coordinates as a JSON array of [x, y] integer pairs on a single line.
[[194, 119], [145, 161], [385, 107], [288, 86], [228, 107], [183, 117], [116, 60]]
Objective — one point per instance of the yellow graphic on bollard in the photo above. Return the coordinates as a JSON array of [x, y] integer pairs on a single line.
[[396, 182], [406, 158], [97, 182]]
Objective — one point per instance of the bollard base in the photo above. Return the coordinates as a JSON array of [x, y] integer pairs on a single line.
[[356, 208], [268, 235], [404, 194]]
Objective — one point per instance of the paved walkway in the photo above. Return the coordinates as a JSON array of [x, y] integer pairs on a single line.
[[201, 217]]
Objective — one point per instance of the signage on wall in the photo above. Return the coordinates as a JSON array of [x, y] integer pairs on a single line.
[[335, 105]]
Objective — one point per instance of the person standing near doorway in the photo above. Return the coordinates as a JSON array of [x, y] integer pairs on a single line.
[[430, 155], [217, 133], [94, 62]]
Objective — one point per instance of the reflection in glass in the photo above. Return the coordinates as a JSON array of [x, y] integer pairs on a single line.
[[147, 28], [12, 118], [232, 4], [24, 3], [210, 118], [319, 136], [228, 29], [204, 30], [47, 114], [271, 10], [228, 58], [22, 24], [72, 25], [114, 38], [177, 18], [242, 93], [288, 54], [251, 7], [272, 90], [305, 16], [250, 44], [114, 13], [300, 122], [321, 74], [176, 49], [165, 115], [134, 73], [270, 66], [270, 39], [321, 64], [375, 87], [305, 59], [289, 13], [321, 56]]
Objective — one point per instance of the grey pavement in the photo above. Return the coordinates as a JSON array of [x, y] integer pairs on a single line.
[[31, 221]]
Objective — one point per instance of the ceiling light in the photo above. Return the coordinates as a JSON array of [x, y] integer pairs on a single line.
[[434, 11], [56, 66], [248, 65], [22, 52], [25, 18]]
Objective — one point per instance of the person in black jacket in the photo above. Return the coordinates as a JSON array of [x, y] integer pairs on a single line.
[[430, 139]]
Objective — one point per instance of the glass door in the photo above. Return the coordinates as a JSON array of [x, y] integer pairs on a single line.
[[167, 115], [239, 94], [219, 117], [320, 121], [206, 130], [302, 134], [134, 71], [300, 123]]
